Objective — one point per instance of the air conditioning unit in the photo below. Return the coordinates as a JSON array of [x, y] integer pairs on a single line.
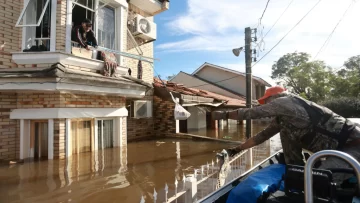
[[144, 28], [142, 109]]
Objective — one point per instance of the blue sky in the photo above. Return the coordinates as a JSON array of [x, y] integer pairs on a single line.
[[192, 32]]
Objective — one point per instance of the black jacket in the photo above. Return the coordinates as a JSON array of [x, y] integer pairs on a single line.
[[79, 35]]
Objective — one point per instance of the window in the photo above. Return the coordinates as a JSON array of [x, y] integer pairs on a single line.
[[35, 19], [103, 18], [81, 136], [105, 134], [82, 9], [106, 27]]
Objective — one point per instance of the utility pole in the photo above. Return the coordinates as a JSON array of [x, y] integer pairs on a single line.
[[248, 60]]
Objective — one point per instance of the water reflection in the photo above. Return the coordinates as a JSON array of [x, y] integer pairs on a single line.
[[229, 130], [112, 175]]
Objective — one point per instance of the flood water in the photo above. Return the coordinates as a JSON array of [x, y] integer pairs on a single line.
[[112, 175]]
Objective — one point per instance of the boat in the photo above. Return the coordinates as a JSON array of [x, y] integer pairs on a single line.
[[272, 181]]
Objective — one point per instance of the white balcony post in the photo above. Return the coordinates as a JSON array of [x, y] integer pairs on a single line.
[[121, 132], [53, 25], [51, 139], [69, 7], [68, 138], [96, 134], [21, 139]]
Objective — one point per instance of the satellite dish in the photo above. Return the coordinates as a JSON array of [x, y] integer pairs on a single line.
[[144, 26]]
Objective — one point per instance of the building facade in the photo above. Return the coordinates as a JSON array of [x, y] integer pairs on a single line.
[[55, 97], [228, 79]]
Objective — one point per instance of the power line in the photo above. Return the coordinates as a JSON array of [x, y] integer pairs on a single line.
[[260, 19], [263, 37], [287, 33], [330, 35], [263, 12], [271, 48], [278, 18]]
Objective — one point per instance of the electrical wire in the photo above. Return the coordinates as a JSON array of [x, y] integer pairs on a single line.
[[259, 22], [288, 33], [263, 12], [278, 19], [271, 48], [330, 35], [263, 37]]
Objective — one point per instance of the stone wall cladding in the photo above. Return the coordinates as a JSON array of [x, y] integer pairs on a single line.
[[66, 100], [59, 138], [164, 122], [140, 128], [10, 36], [7, 127], [60, 25], [124, 132]]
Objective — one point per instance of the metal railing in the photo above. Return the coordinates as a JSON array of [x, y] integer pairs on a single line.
[[308, 178], [206, 179]]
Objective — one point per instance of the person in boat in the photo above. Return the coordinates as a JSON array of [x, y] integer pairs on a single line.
[[302, 125], [84, 35]]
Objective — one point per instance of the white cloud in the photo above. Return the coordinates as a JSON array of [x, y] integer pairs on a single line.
[[216, 26]]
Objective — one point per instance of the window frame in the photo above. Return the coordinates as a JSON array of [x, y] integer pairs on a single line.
[[118, 25], [96, 134], [23, 12], [53, 8], [92, 132], [106, 4]]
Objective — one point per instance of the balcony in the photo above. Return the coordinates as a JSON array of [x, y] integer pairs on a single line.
[[151, 6], [80, 57]]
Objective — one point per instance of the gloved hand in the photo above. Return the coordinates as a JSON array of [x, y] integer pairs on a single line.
[[232, 151]]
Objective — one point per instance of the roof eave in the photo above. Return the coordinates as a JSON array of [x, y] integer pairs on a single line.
[[259, 79]]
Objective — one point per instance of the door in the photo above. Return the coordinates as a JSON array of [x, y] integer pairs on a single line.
[[81, 136], [106, 133], [39, 139]]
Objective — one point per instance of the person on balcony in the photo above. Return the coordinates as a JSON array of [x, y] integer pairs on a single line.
[[84, 35], [302, 125]]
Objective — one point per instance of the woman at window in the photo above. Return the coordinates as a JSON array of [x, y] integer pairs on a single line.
[[84, 35]]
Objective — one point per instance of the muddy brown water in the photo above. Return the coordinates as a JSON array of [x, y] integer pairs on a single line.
[[112, 175]]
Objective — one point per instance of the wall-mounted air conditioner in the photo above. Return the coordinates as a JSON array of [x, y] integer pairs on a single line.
[[144, 28], [142, 109]]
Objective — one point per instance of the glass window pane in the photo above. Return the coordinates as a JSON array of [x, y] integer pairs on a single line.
[[81, 133], [82, 2], [33, 13], [87, 3], [106, 27], [90, 4], [108, 133]]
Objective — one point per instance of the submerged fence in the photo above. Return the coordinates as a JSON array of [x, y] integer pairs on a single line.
[[208, 177]]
